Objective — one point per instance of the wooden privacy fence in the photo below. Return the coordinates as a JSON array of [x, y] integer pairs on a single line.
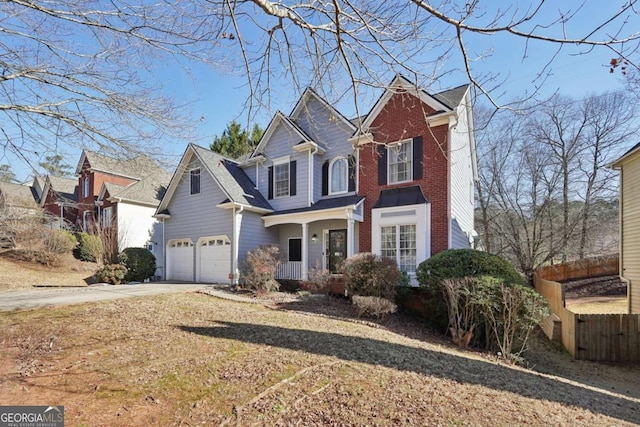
[[600, 337]]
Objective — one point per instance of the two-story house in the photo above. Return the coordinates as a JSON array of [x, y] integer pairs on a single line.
[[417, 170], [323, 189], [122, 194], [59, 200]]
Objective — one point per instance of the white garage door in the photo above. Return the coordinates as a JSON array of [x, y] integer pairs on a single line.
[[214, 263], [180, 260]]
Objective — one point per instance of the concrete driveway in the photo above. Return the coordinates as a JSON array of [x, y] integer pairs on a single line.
[[46, 297]]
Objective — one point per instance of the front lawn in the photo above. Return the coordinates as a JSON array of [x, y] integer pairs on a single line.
[[192, 359]]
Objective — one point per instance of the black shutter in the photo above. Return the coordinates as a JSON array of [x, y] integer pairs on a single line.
[[325, 178], [382, 164], [352, 173], [417, 157], [292, 178], [270, 196]]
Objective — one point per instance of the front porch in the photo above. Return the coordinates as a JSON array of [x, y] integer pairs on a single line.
[[318, 237]]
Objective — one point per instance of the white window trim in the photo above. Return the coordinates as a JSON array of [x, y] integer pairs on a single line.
[[275, 187], [107, 216], [389, 148], [85, 186], [191, 193], [331, 163], [288, 246], [420, 217]]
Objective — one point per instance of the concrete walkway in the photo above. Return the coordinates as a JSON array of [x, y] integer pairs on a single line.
[[47, 297]]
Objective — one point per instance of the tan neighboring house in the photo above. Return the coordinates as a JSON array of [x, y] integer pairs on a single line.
[[629, 167], [17, 198]]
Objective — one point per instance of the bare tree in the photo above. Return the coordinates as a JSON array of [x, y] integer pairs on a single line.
[[82, 73]]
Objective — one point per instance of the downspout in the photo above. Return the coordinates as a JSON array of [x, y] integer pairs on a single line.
[[236, 248]]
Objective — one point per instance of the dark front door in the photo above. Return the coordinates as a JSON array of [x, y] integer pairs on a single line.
[[337, 248]]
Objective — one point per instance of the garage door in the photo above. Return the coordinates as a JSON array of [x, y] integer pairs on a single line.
[[180, 260], [214, 263]]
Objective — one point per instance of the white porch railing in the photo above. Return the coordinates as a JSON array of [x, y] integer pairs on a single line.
[[291, 270]]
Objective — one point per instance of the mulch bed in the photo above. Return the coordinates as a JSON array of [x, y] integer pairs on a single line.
[[595, 286]]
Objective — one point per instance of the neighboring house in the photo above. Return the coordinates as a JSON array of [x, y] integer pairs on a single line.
[[17, 199], [315, 186], [629, 167], [122, 193], [417, 170], [59, 199]]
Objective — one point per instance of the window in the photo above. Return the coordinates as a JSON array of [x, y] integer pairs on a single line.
[[400, 162], [338, 176], [107, 215], [281, 179], [85, 186], [86, 220], [295, 249], [195, 181], [398, 242]]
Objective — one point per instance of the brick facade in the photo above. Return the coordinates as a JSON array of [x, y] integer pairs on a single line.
[[403, 117]]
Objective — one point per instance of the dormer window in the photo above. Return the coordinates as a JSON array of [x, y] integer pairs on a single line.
[[195, 181], [338, 176], [400, 157]]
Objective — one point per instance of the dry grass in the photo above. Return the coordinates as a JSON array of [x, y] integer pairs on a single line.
[[190, 359], [598, 305], [18, 274]]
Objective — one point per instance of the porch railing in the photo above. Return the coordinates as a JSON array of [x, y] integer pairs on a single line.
[[291, 270]]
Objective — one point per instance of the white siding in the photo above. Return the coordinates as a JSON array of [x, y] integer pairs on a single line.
[[461, 182], [135, 225], [630, 228]]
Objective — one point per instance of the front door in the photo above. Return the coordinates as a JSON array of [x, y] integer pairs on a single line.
[[337, 250]]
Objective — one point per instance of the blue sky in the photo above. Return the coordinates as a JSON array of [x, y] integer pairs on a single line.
[[212, 97]]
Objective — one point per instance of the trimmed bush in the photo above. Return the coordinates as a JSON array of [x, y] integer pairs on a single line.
[[90, 247], [140, 263], [373, 306], [371, 275], [454, 263], [260, 267], [458, 263], [112, 273]]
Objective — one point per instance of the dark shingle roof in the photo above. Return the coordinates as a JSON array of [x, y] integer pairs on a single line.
[[66, 188], [323, 204], [233, 180], [400, 197], [452, 97]]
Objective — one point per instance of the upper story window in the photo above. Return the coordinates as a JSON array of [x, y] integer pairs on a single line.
[[338, 176], [281, 179], [195, 181], [85, 186], [400, 157]]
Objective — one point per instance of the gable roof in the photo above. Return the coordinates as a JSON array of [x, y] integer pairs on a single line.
[[64, 189], [136, 168], [618, 163], [304, 99], [18, 195], [277, 119], [442, 103], [232, 180]]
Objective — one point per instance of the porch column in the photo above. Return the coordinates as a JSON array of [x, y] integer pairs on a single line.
[[351, 238], [305, 251], [235, 248]]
